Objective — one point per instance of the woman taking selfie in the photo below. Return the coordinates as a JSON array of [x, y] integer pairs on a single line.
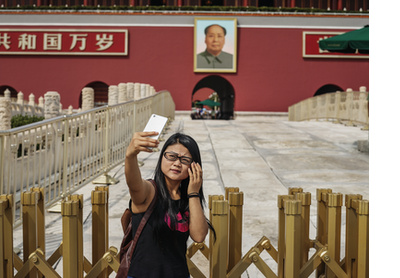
[[178, 208]]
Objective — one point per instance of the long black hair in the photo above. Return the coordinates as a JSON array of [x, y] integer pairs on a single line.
[[164, 203]]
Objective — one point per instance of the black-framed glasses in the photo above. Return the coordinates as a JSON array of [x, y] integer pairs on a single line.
[[171, 156]]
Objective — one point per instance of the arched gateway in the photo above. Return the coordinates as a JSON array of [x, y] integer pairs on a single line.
[[225, 92]]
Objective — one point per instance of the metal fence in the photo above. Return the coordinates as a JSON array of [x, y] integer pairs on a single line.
[[223, 253], [64, 153]]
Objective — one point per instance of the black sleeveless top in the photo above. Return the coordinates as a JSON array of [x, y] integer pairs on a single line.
[[166, 258]]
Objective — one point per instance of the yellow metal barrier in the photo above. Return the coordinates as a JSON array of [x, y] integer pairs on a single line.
[[34, 263], [6, 236], [294, 243], [224, 251]]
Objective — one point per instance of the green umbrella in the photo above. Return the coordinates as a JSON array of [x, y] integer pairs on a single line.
[[209, 103], [350, 42]]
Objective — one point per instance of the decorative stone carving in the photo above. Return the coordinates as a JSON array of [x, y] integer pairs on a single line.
[[142, 90], [31, 100], [122, 92], [87, 98], [20, 98], [136, 93], [41, 102], [112, 95], [5, 113], [130, 90], [51, 105], [7, 94]]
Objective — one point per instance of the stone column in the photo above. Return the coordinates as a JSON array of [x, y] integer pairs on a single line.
[[20, 98], [112, 95], [31, 100], [122, 92], [87, 98], [5, 113], [41, 102], [142, 90], [130, 90], [136, 92], [51, 105], [7, 94], [152, 91]]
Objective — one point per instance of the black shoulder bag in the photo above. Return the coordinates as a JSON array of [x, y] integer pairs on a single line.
[[128, 243]]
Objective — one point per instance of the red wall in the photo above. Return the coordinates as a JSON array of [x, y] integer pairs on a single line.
[[271, 72]]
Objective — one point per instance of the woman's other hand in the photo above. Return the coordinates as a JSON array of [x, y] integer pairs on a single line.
[[195, 178]]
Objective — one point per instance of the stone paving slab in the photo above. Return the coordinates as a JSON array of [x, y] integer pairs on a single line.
[[263, 156]]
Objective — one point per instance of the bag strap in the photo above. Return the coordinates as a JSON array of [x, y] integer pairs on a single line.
[[143, 222]]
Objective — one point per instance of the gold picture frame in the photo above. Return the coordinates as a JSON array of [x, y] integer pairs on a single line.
[[215, 45]]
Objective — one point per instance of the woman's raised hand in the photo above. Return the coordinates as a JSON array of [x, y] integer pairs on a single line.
[[141, 141], [195, 178]]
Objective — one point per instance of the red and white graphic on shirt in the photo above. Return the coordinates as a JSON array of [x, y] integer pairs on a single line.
[[182, 225]]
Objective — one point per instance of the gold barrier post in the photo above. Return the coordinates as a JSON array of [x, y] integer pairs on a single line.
[[322, 225], [334, 202], [70, 219], [219, 256], [281, 233], [40, 220], [235, 200], [351, 235], [79, 199], [293, 238], [295, 190], [106, 189], [362, 208], [229, 190], [99, 229], [363, 239], [212, 198], [305, 198], [29, 202], [6, 236], [211, 238]]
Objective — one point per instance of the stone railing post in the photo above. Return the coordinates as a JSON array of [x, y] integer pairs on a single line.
[[20, 98], [51, 105], [7, 94], [136, 91], [122, 92], [87, 98], [112, 95], [130, 89], [5, 113]]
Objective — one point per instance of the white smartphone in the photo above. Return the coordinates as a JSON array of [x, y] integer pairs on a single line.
[[156, 123]]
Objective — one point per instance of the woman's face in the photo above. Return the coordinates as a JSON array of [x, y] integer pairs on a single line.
[[175, 170]]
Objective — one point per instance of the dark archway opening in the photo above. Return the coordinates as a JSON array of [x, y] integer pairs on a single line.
[[225, 91], [100, 93], [14, 93], [266, 3], [329, 88]]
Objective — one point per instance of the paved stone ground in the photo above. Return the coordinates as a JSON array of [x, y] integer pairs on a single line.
[[263, 155]]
